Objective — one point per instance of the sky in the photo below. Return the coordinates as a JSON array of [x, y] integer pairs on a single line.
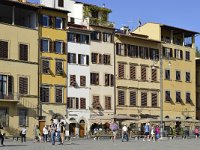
[[180, 13]]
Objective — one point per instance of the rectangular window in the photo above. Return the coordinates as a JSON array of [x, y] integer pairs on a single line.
[[59, 47], [121, 70], [178, 75], [95, 35], [94, 78], [45, 45], [23, 52], [23, 85], [58, 23], [4, 117], [133, 51], [178, 54], [168, 96], [72, 58], [59, 67], [71, 102], [143, 99], [60, 3], [96, 103], [108, 103], [6, 87], [132, 72], [143, 73], [154, 54], [45, 66], [109, 80], [73, 80], [143, 52], [44, 93], [59, 94], [167, 74], [83, 59], [3, 49], [121, 97], [107, 37], [94, 58], [23, 117], [133, 96], [121, 49], [83, 81], [187, 76], [154, 74], [82, 103], [106, 59], [78, 38], [167, 52], [187, 55], [178, 97], [77, 103], [154, 99], [45, 21], [188, 98]]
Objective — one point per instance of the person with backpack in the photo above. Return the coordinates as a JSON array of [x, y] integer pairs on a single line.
[[53, 132], [62, 132]]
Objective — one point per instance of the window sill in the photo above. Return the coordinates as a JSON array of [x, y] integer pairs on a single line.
[[188, 82], [178, 81], [79, 43]]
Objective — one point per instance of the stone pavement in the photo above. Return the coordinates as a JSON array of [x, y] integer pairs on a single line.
[[106, 144]]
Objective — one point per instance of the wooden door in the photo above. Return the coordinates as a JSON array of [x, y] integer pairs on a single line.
[[81, 130], [41, 125], [72, 127]]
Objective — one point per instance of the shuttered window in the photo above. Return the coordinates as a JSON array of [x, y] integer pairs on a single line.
[[154, 74], [4, 117], [143, 99], [83, 81], [96, 102], [154, 99], [132, 72], [59, 67], [168, 96], [143, 73], [60, 3], [178, 75], [44, 94], [59, 94], [23, 52], [108, 103], [82, 103], [23, 117], [167, 74], [178, 97], [45, 66], [121, 70], [188, 98], [3, 49], [187, 76], [94, 58], [121, 97], [23, 85], [94, 78], [77, 103], [73, 80], [133, 95], [109, 80], [106, 59], [72, 58]]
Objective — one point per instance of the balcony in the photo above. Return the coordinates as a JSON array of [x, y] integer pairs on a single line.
[[99, 22], [9, 98]]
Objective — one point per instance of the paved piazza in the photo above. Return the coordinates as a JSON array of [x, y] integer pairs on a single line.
[[106, 144]]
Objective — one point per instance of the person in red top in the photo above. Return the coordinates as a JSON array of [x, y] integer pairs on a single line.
[[196, 132]]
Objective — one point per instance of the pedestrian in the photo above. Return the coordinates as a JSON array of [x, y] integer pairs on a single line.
[[38, 134], [62, 133], [124, 133], [146, 132], [153, 132], [45, 133], [23, 134], [196, 132], [53, 130], [58, 132], [1, 135], [157, 132], [114, 127]]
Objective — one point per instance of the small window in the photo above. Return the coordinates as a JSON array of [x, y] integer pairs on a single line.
[[167, 74], [44, 94], [106, 59], [23, 52], [143, 99], [60, 3], [45, 21], [82, 103], [45, 45], [109, 80], [45, 66], [4, 117], [121, 70], [96, 103], [95, 35], [59, 47], [178, 75], [94, 58], [73, 80], [133, 98], [154, 74], [187, 55], [23, 85], [108, 103], [72, 58], [23, 117], [94, 78], [143, 73], [83, 81], [187, 77], [154, 99], [59, 94], [59, 67], [58, 23], [132, 72], [188, 98], [121, 97], [167, 96], [178, 97], [107, 37], [3, 49], [83, 59]]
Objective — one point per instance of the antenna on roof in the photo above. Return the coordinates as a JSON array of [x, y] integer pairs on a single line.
[[103, 5]]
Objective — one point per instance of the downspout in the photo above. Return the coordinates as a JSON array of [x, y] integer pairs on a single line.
[[114, 75]]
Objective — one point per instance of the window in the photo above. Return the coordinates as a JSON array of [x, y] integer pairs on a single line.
[[154, 54], [94, 58], [121, 70], [59, 47], [83, 81], [60, 3], [121, 49], [59, 67], [96, 103], [178, 75], [23, 52], [95, 35], [23, 117], [23, 85], [132, 72], [167, 74], [143, 52], [167, 52], [3, 49], [188, 98], [6, 87], [154, 99], [73, 80], [45, 21], [107, 37], [4, 117], [73, 102], [45, 45], [83, 59], [178, 97], [108, 103], [187, 76], [133, 95], [143, 99], [167, 96], [58, 23], [78, 38], [59, 94], [44, 94], [109, 80], [72, 58], [121, 97], [82, 103], [154, 74], [133, 51], [143, 73], [94, 78], [187, 55], [106, 59], [45, 66], [178, 54]]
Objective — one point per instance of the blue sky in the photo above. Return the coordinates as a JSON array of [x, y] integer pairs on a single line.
[[180, 13]]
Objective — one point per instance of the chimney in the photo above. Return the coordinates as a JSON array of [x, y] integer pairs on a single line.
[[125, 30]]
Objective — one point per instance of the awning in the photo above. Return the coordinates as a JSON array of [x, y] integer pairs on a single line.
[[123, 117]]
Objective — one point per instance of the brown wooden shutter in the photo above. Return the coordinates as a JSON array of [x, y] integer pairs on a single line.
[[82, 103], [100, 59], [154, 74], [171, 52], [58, 95], [79, 58], [82, 81], [121, 97], [87, 60], [41, 45], [3, 49], [181, 54], [132, 72], [97, 79], [132, 98], [64, 48], [23, 85], [121, 71], [96, 103], [143, 73], [112, 80], [51, 46], [143, 99], [107, 103], [10, 85], [63, 23], [154, 99], [72, 80], [74, 58], [77, 103], [106, 79]]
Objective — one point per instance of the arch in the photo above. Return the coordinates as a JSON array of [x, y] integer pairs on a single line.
[[167, 117], [57, 116], [82, 121]]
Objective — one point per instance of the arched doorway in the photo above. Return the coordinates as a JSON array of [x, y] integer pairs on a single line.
[[82, 128], [72, 126]]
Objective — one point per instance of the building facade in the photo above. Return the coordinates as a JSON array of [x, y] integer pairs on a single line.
[[198, 89], [19, 67]]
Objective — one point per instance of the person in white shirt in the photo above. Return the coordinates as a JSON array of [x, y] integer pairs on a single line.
[[23, 134], [45, 133], [124, 133]]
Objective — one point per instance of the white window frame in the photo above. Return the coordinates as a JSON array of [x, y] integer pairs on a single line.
[[47, 20], [48, 44], [61, 24], [61, 51]]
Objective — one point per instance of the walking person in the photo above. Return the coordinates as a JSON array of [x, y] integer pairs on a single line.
[[23, 134], [62, 133], [146, 132], [196, 132], [1, 136], [53, 130], [124, 133], [153, 133], [114, 127], [58, 131], [45, 133], [38, 134], [157, 132]]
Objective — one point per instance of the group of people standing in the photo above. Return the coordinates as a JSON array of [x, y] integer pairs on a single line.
[[151, 132]]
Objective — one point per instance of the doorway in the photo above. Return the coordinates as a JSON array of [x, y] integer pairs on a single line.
[[72, 127], [82, 129]]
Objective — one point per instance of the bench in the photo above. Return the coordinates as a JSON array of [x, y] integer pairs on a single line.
[[16, 137], [101, 136], [137, 136]]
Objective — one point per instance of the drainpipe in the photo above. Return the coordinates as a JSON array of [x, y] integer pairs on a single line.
[[114, 75]]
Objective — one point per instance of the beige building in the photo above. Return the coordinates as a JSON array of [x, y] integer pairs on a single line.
[[137, 68], [197, 88], [19, 67], [179, 72]]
